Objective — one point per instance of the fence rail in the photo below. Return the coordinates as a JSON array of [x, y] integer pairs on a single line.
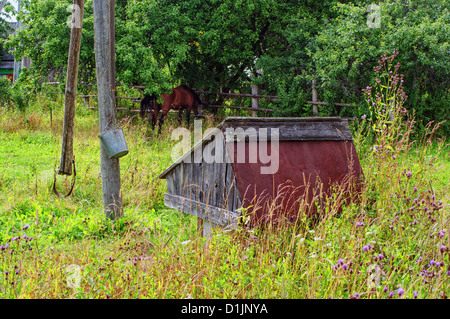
[[314, 102]]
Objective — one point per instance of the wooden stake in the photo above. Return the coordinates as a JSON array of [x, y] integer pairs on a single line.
[[110, 169], [255, 101], [315, 99], [65, 166]]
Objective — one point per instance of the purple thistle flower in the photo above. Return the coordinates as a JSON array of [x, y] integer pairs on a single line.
[[359, 224], [385, 289], [443, 248], [3, 248], [340, 262], [432, 262], [355, 296], [344, 266], [380, 256], [415, 189], [364, 116], [442, 233], [419, 259], [391, 294], [26, 227], [448, 272], [415, 294], [400, 291], [245, 258]]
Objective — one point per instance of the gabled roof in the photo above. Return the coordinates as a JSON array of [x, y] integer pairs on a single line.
[[290, 129]]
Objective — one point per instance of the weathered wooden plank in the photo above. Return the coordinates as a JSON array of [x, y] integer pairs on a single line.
[[178, 179], [170, 186], [229, 187], [294, 131], [213, 214], [187, 187], [219, 178]]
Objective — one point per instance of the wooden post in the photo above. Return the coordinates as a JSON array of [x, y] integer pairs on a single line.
[[110, 168], [255, 101], [315, 99], [65, 166], [112, 34]]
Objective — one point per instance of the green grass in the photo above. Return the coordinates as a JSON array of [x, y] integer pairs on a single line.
[[155, 252]]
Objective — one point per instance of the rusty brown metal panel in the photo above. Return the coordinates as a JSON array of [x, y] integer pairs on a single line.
[[303, 167]]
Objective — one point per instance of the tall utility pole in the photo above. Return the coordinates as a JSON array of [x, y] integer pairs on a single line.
[[65, 166], [110, 168]]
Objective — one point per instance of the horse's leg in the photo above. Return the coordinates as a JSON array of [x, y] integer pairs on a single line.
[[154, 118], [161, 120], [180, 116], [188, 115]]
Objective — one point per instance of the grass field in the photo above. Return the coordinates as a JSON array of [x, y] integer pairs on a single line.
[[393, 244]]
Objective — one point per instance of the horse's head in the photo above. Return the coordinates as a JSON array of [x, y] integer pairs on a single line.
[[147, 104]]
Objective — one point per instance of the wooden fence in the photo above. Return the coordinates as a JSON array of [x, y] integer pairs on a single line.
[[255, 100]]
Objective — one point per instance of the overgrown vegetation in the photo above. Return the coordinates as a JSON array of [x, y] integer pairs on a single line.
[[393, 243]]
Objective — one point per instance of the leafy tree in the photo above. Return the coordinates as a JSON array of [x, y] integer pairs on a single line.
[[5, 11], [280, 45], [346, 50]]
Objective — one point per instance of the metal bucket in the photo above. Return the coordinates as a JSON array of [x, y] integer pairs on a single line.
[[114, 143]]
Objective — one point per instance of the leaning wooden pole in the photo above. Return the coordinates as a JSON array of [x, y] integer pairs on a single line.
[[65, 166], [110, 169]]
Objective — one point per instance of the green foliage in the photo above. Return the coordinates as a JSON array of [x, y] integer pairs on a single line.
[[282, 46], [347, 49]]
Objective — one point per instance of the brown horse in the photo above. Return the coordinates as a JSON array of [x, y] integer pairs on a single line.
[[182, 97]]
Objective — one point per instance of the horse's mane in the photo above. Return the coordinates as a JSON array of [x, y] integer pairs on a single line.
[[196, 97]]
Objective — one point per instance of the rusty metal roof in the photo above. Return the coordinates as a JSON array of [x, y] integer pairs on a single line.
[[290, 129]]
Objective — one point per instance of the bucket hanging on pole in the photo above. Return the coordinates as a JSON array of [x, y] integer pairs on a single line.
[[113, 140]]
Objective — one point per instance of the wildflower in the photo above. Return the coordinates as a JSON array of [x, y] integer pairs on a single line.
[[443, 248], [432, 262], [380, 256], [359, 224], [415, 294], [26, 227], [415, 189], [3, 248], [344, 266], [442, 233], [340, 262], [400, 291], [355, 296], [364, 116], [419, 259], [391, 294], [385, 289], [245, 258]]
